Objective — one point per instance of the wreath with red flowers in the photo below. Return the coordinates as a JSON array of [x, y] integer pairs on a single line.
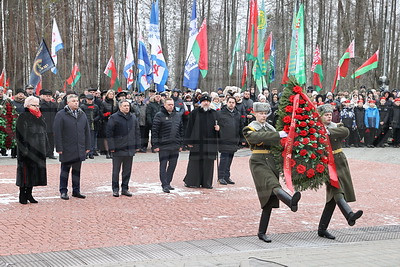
[[8, 122], [309, 159]]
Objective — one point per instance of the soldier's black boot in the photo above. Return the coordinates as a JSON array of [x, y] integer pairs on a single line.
[[29, 196], [325, 219], [350, 216], [264, 221], [22, 195], [290, 201]]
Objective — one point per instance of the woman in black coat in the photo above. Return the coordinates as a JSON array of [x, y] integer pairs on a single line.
[[31, 139]]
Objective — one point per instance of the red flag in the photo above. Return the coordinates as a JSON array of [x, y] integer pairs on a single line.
[[74, 73], [252, 31], [244, 74], [111, 71], [2, 78], [39, 86], [267, 47], [7, 85], [200, 49], [285, 78]]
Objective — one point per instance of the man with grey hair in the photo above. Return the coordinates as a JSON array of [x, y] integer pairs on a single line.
[[72, 141], [123, 136]]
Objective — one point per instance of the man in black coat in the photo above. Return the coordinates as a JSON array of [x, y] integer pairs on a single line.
[[92, 112], [72, 140], [230, 135], [49, 111], [123, 136], [385, 113], [396, 122], [167, 140], [201, 138], [152, 108], [359, 112]]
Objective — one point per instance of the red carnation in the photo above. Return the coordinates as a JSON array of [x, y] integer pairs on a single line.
[[303, 133], [306, 141], [315, 115], [319, 151], [324, 160], [301, 168], [296, 143], [303, 152], [303, 124], [292, 163], [313, 156], [306, 117], [322, 140], [298, 117], [310, 173], [319, 124], [297, 89], [320, 168], [291, 98], [289, 109], [313, 138], [311, 123], [186, 113], [321, 131], [315, 145], [286, 128], [299, 110], [287, 119], [307, 108], [283, 141], [312, 131]]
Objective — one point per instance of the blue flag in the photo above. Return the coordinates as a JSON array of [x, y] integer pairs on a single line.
[[191, 72], [43, 62], [144, 68]]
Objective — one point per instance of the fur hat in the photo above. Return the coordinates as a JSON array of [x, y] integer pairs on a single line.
[[327, 108], [261, 107]]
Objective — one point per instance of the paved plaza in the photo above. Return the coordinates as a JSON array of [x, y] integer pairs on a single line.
[[196, 227]]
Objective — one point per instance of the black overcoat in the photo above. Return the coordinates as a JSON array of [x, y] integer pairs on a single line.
[[123, 134], [32, 146], [71, 135], [49, 111], [230, 133]]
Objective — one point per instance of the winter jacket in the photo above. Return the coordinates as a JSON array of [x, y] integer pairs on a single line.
[[371, 118], [151, 111], [167, 130], [107, 108], [347, 117], [396, 117], [230, 133], [123, 134], [71, 135], [92, 112], [385, 114], [359, 115], [49, 111]]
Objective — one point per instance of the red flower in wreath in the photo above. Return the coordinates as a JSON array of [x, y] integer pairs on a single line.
[[287, 119], [303, 152], [292, 163], [291, 98], [296, 143], [311, 123], [314, 145], [306, 117], [315, 115], [298, 117], [283, 141], [319, 151], [286, 128], [324, 160], [307, 109], [303, 133], [301, 169], [302, 102], [321, 131], [313, 156], [303, 124], [312, 131], [319, 124], [305, 141], [310, 173], [320, 168], [313, 138], [322, 140], [299, 110], [297, 89], [289, 109]]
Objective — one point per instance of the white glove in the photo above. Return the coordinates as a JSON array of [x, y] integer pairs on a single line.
[[282, 134]]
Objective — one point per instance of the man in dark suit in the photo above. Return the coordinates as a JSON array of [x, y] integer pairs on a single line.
[[123, 136], [72, 141], [49, 111]]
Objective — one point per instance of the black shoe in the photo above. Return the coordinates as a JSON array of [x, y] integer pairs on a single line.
[[13, 156], [115, 194], [64, 196], [191, 186], [166, 190], [170, 187], [325, 233], [29, 196], [222, 181], [95, 154], [229, 181], [22, 195], [91, 157], [78, 195], [264, 238], [353, 216], [126, 193]]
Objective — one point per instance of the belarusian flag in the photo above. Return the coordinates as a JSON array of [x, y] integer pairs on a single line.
[[75, 76], [200, 49], [343, 65], [244, 74], [267, 47], [111, 71], [316, 68], [371, 63], [252, 32]]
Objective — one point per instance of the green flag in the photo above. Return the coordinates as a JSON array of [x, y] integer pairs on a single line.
[[300, 59], [236, 48]]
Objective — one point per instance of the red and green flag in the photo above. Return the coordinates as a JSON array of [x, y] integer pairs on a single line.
[[316, 68], [244, 75], [75, 76], [200, 49], [111, 71], [371, 63], [343, 65], [252, 32]]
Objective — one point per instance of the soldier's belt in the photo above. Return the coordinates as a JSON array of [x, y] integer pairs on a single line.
[[337, 151], [261, 151]]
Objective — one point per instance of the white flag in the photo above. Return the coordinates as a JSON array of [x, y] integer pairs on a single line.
[[129, 62], [56, 44]]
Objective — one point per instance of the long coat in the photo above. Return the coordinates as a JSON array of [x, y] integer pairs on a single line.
[[71, 135], [230, 130], [336, 137], [201, 134], [123, 134], [31, 142], [262, 166]]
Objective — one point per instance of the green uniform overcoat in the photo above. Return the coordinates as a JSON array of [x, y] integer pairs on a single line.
[[262, 165], [336, 137]]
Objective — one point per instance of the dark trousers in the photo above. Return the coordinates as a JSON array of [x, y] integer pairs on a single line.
[[170, 158], [144, 136], [224, 168], [382, 136], [93, 141], [370, 135], [50, 145], [396, 136], [76, 176], [359, 137], [126, 162]]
